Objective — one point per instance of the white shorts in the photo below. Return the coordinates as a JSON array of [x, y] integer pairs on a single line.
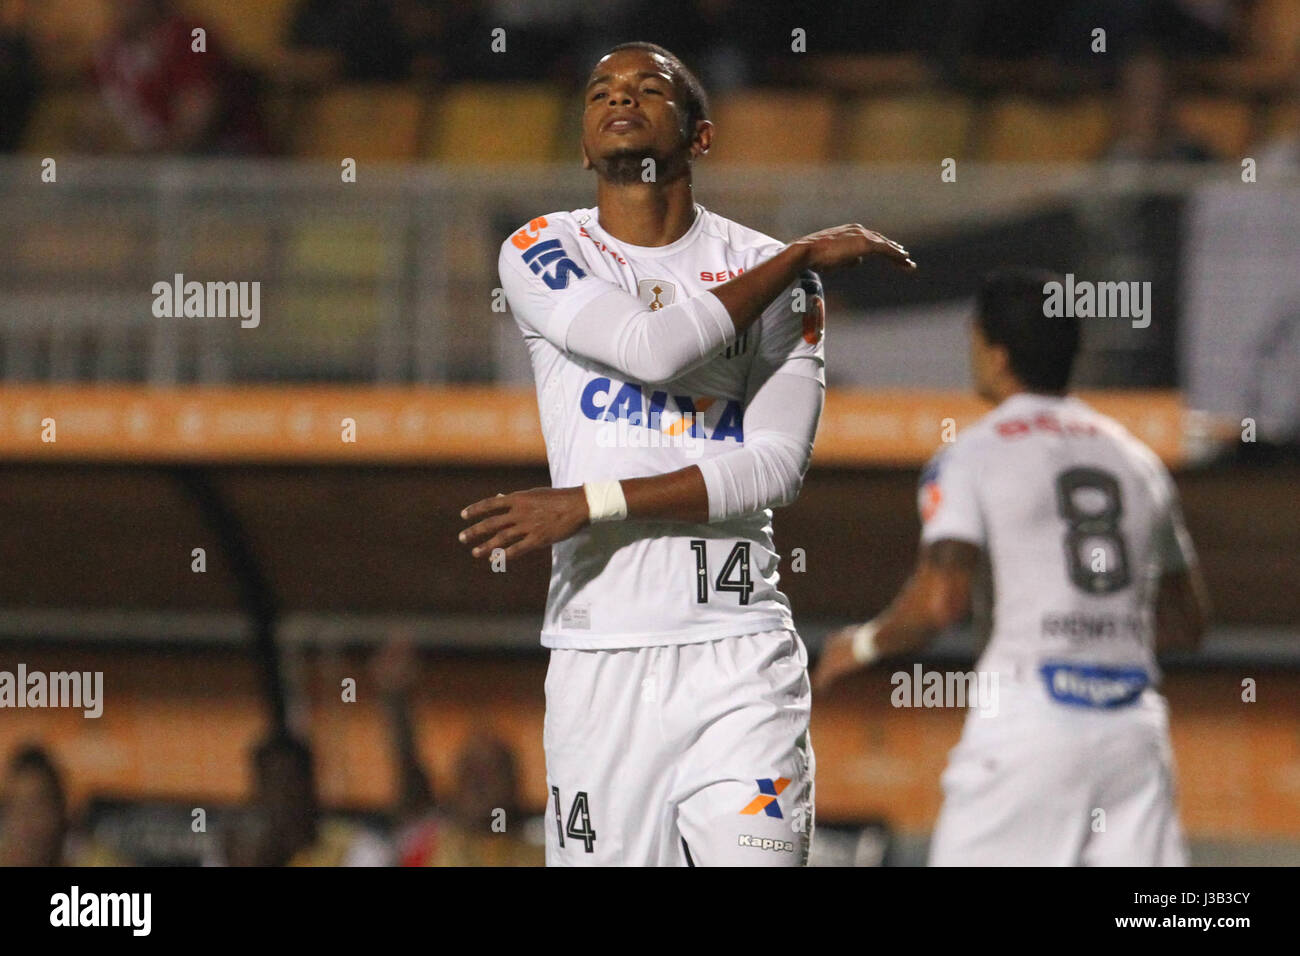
[[681, 755], [1043, 783]]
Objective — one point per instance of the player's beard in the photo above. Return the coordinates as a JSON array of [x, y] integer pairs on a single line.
[[626, 167]]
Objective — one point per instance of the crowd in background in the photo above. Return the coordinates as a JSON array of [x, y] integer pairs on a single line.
[[156, 97], [475, 820]]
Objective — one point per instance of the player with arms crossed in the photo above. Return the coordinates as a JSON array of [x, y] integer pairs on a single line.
[[1076, 526], [678, 359]]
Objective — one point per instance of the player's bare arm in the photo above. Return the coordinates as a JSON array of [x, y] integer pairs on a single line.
[[1182, 610], [746, 296], [936, 597]]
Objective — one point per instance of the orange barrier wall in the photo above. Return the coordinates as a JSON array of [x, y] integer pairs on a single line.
[[180, 725], [473, 425]]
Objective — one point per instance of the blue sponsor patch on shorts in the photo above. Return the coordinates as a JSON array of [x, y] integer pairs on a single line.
[[1097, 687]]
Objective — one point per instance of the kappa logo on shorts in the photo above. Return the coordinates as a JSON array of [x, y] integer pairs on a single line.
[[765, 843], [768, 791]]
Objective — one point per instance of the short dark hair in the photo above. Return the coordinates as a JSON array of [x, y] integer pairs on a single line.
[[1010, 313], [688, 84]]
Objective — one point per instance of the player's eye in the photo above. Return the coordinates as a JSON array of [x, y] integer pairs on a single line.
[[597, 95], [652, 89]]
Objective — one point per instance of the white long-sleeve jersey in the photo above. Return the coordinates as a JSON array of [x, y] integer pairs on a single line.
[[1079, 521], [639, 372]]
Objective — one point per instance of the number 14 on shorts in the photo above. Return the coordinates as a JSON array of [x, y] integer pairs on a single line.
[[578, 826]]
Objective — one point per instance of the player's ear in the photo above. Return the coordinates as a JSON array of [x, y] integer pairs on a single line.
[[586, 160], [703, 138]]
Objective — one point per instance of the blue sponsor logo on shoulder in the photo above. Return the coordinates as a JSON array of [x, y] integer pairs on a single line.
[[548, 253], [1098, 687]]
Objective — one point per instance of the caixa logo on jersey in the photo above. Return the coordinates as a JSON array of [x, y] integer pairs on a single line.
[[549, 260], [673, 415]]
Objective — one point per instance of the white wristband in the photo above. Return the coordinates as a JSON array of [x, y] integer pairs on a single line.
[[605, 501], [864, 643]]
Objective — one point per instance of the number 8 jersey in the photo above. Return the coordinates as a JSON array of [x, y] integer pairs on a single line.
[[640, 583], [1078, 520]]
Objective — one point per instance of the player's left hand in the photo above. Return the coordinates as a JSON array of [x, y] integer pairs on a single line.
[[836, 659], [524, 520]]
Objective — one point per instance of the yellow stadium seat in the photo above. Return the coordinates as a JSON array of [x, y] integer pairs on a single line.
[[340, 249], [495, 123], [328, 324], [218, 248], [81, 247], [908, 129], [1221, 124], [254, 30], [773, 128], [1275, 30], [56, 120], [377, 122], [1020, 130], [65, 34], [1284, 119]]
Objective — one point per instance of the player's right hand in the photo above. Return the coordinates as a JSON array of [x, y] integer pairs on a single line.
[[848, 245]]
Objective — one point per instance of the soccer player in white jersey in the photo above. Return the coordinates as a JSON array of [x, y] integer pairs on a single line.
[[1075, 526], [679, 366]]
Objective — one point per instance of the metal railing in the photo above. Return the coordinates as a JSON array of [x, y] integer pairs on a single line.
[[389, 279]]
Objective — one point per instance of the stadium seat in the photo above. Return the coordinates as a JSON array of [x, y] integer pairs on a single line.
[[1275, 30], [1283, 119], [1019, 130], [322, 326], [65, 34], [335, 249], [908, 129], [220, 248], [773, 128], [494, 123], [378, 122], [253, 30], [55, 125], [1222, 125], [80, 247]]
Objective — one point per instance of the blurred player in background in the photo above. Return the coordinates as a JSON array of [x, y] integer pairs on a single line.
[[679, 366], [1076, 526]]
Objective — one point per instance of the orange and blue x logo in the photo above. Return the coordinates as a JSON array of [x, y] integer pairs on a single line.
[[768, 791]]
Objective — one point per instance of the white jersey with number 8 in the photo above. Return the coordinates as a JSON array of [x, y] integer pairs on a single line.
[[1078, 520]]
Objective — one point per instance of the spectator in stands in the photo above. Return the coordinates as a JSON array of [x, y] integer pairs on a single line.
[[161, 95], [387, 41], [479, 823], [19, 77], [285, 825], [731, 43], [35, 829]]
